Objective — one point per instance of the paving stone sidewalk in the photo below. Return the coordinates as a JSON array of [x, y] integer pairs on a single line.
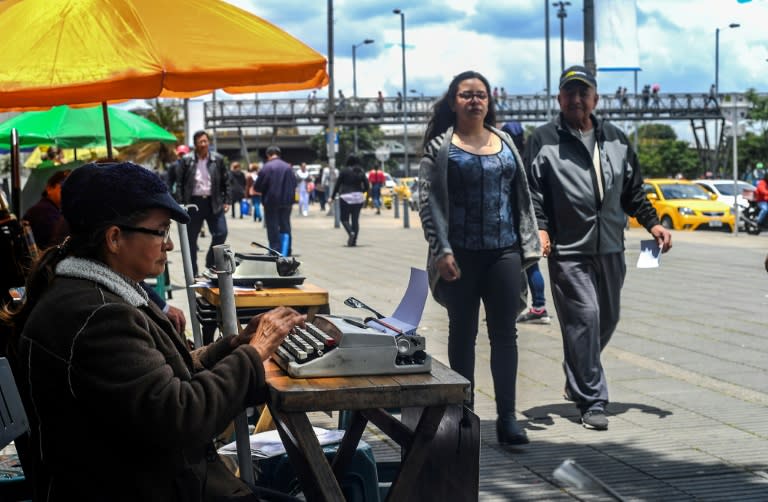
[[687, 367]]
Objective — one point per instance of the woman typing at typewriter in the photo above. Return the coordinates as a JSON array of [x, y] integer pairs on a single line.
[[478, 219], [120, 409]]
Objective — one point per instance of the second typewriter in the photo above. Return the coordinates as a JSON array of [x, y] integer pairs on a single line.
[[343, 346]]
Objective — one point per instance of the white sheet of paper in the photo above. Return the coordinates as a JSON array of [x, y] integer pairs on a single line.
[[268, 444], [650, 254]]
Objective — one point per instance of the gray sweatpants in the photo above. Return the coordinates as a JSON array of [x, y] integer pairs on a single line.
[[587, 295]]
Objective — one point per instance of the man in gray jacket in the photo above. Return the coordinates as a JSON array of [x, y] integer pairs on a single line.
[[584, 178]]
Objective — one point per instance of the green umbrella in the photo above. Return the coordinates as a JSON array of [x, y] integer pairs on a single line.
[[81, 127]]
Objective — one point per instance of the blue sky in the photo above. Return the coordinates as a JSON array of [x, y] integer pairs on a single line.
[[504, 39]]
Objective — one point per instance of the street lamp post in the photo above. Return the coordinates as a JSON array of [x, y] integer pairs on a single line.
[[354, 76], [738, 110], [405, 94], [561, 15], [546, 53], [717, 85]]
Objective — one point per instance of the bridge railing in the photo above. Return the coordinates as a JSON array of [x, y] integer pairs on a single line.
[[389, 111]]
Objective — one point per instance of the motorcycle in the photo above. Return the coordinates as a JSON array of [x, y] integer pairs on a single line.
[[749, 217]]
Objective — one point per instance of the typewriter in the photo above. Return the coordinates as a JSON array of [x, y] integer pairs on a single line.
[[345, 346]]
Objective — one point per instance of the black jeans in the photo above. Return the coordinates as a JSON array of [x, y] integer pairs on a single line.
[[350, 217], [494, 277], [217, 225]]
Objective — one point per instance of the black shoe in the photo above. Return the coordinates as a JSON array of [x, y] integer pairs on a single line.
[[351, 240], [509, 432], [595, 419]]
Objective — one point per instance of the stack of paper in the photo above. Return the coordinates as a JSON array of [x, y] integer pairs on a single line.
[[268, 444]]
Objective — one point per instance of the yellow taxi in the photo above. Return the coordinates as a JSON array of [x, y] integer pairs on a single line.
[[683, 205], [405, 190]]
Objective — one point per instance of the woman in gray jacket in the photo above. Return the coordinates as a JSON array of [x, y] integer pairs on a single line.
[[478, 219]]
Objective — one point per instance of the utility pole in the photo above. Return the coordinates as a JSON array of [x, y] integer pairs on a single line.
[[331, 136], [562, 14], [546, 50], [589, 36]]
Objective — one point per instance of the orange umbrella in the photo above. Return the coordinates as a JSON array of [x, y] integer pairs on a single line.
[[89, 51], [76, 52]]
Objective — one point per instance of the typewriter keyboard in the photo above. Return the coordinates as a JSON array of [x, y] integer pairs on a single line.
[[305, 344]]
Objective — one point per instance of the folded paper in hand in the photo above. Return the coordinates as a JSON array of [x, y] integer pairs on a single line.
[[268, 444], [650, 254]]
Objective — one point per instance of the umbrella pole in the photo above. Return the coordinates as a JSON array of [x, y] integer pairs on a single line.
[[225, 267], [15, 174], [105, 112]]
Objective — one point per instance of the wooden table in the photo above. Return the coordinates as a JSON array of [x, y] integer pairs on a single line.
[[306, 295], [429, 399], [306, 298]]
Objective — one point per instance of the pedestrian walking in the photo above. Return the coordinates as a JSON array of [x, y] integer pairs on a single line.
[[350, 187], [712, 97], [237, 187], [322, 186], [532, 279], [302, 179], [204, 182], [376, 180], [585, 179], [277, 185], [478, 220], [380, 103], [253, 174]]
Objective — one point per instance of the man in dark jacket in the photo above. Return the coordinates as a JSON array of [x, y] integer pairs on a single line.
[[584, 177], [203, 180], [277, 185], [48, 225]]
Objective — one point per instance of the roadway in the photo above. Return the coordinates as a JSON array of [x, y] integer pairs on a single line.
[[687, 367]]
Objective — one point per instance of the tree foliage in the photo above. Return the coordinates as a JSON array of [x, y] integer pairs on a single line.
[[753, 147], [169, 115], [759, 111], [656, 131], [661, 154]]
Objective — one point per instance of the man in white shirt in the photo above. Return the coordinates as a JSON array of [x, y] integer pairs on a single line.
[[204, 183]]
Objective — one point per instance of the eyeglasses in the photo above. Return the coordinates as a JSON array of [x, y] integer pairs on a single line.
[[165, 234], [468, 95]]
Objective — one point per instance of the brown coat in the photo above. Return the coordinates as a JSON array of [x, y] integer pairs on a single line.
[[119, 408]]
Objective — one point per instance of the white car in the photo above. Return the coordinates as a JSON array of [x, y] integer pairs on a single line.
[[724, 189]]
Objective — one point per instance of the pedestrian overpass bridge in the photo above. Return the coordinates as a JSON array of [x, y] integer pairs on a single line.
[[231, 117]]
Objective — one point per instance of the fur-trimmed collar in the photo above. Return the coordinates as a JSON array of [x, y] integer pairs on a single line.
[[80, 268]]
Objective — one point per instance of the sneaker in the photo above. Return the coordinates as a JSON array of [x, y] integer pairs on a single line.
[[537, 316], [595, 419]]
